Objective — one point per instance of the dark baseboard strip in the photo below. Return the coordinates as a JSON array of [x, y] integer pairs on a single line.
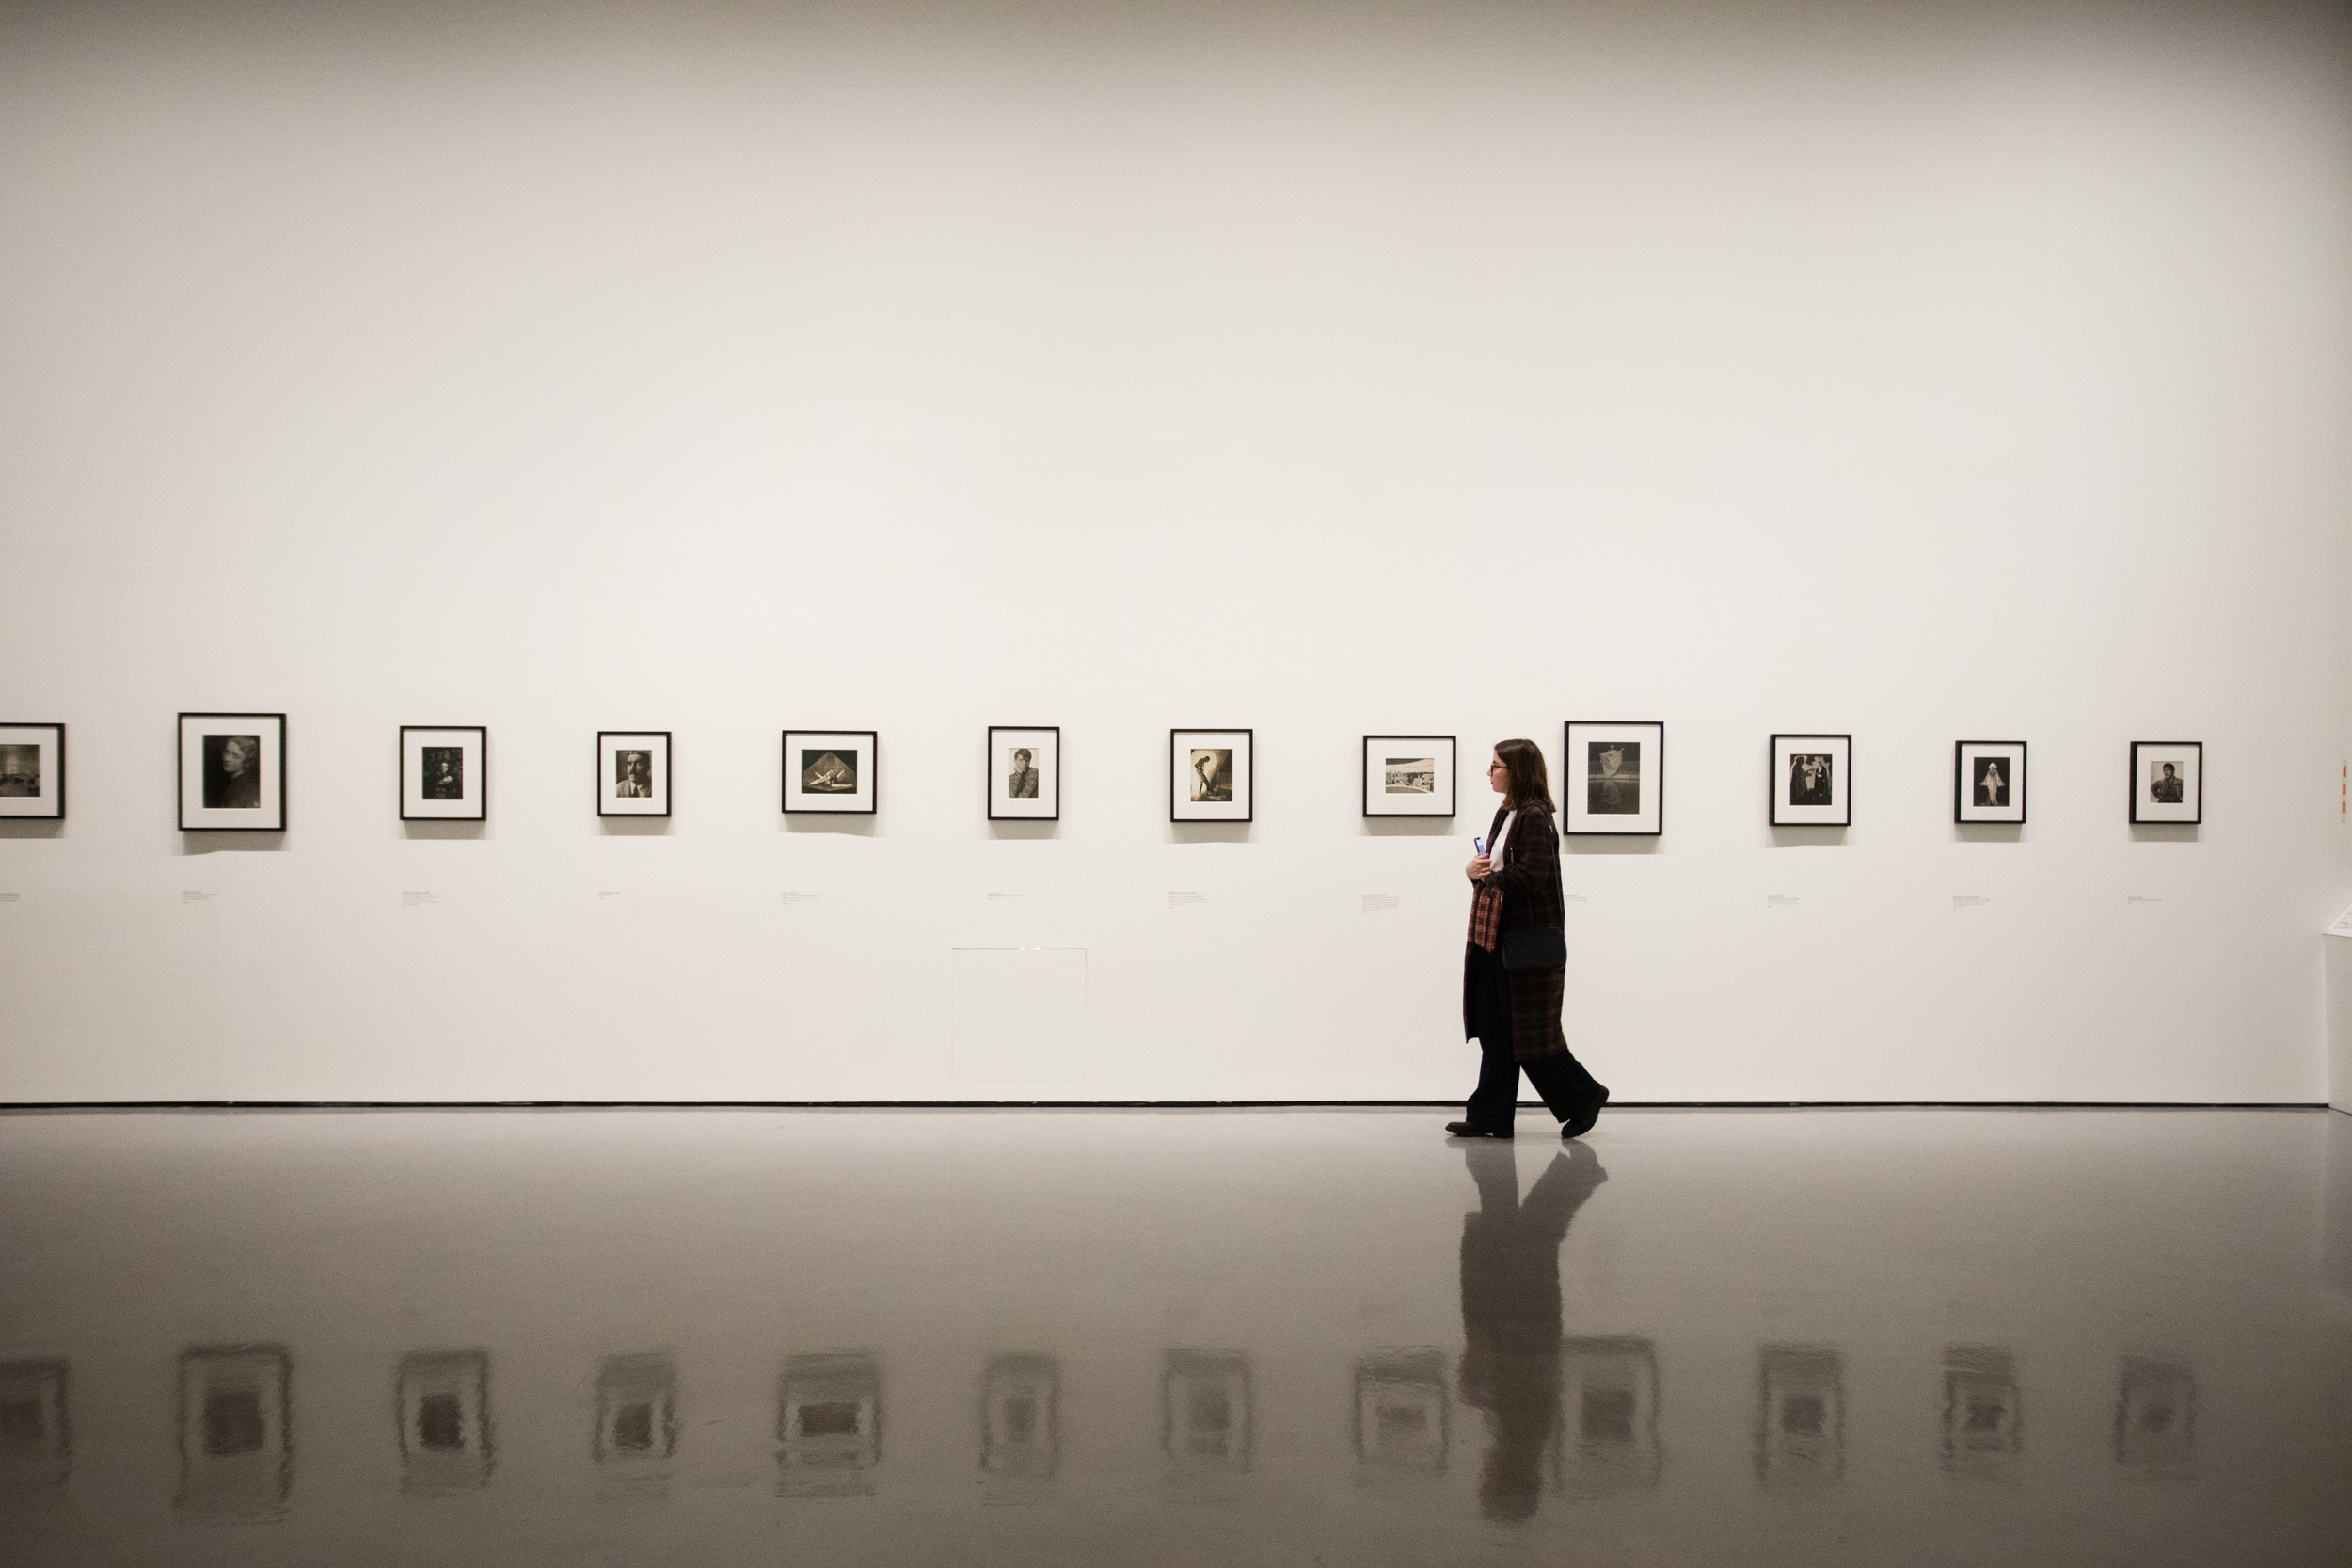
[[1136, 1105]]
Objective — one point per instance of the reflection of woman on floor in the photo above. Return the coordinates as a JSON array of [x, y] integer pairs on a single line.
[[1510, 1313]]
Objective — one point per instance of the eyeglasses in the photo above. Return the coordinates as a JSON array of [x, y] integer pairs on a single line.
[[1492, 766]]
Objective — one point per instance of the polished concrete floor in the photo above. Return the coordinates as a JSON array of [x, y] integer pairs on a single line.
[[1181, 1337]]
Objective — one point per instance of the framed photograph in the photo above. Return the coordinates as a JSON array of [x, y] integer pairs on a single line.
[[832, 770], [442, 775], [1812, 781], [1024, 773], [2168, 781], [1210, 776], [632, 772], [1989, 780], [32, 770], [232, 773], [1614, 778], [1409, 775]]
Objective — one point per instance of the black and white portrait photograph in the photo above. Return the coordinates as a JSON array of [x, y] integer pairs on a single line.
[[2168, 781], [1024, 773], [1615, 779], [443, 773], [829, 770], [1812, 781], [232, 773], [1989, 780], [632, 772], [1409, 775], [32, 771], [1209, 775]]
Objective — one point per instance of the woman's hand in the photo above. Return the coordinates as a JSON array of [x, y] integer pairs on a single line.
[[1477, 869]]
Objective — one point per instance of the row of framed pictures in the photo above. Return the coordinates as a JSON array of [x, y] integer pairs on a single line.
[[1615, 777], [233, 775]]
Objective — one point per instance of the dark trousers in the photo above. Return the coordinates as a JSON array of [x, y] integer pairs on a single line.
[[1566, 1088]]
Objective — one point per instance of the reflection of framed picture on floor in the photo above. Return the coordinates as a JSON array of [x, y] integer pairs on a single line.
[[1614, 778], [830, 771], [632, 772], [1023, 773], [1812, 781], [1409, 775], [2168, 781], [32, 771], [441, 773], [1989, 780], [236, 1451], [1211, 775], [232, 773]]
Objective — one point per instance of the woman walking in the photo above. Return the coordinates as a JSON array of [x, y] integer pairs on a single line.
[[1515, 964]]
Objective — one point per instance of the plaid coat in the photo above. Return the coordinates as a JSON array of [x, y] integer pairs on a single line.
[[1528, 878]]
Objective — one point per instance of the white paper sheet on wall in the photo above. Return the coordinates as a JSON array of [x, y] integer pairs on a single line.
[[2343, 928]]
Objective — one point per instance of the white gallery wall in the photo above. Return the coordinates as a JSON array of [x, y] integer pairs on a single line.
[[1922, 372]]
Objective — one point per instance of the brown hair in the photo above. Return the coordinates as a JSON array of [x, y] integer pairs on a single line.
[[1530, 788]]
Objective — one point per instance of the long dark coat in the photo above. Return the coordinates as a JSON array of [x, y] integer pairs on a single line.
[[1530, 879]]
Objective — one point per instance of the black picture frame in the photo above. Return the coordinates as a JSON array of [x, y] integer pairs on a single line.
[[1244, 785], [1839, 811], [608, 800], [51, 807], [2020, 776], [1447, 783], [191, 774], [868, 788], [1049, 782], [481, 803], [1576, 814], [2143, 812]]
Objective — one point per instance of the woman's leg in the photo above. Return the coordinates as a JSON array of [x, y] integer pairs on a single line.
[[1494, 1105], [1567, 1089]]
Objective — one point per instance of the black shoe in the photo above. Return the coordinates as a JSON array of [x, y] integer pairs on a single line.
[[1467, 1129], [1581, 1123]]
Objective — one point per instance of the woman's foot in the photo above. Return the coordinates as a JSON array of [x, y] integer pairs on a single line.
[[1465, 1130], [1581, 1123]]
